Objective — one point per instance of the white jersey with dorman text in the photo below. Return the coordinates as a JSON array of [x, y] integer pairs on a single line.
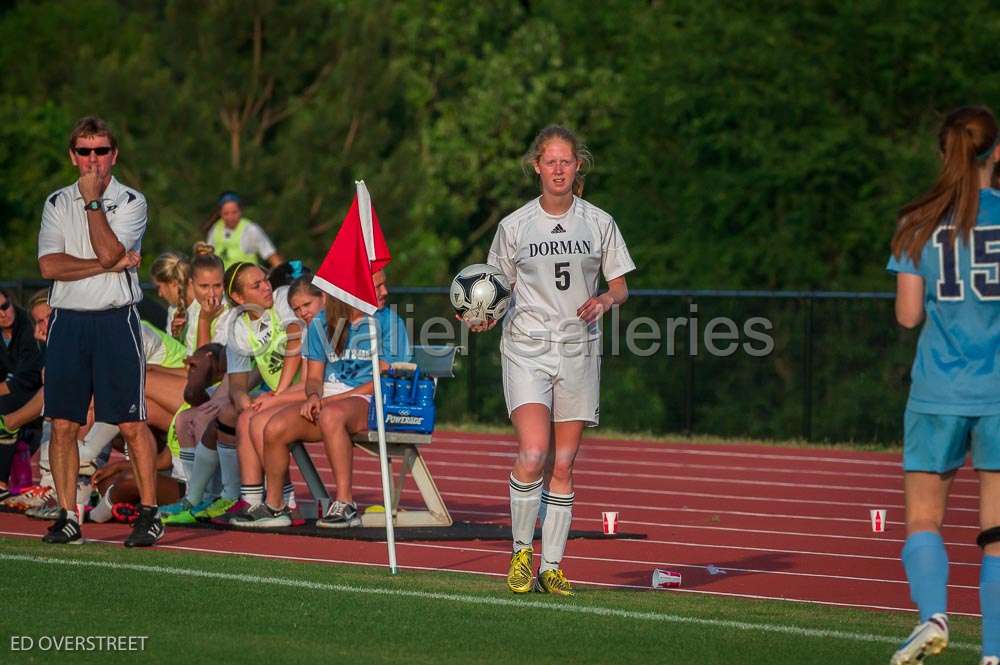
[[65, 230], [553, 263]]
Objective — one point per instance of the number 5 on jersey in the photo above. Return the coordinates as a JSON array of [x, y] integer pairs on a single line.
[[562, 275], [985, 268]]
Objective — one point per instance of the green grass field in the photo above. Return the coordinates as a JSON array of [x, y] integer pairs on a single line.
[[213, 609]]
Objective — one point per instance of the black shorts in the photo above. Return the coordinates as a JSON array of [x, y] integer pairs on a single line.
[[95, 355]]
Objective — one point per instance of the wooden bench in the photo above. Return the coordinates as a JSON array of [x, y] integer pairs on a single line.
[[436, 362]]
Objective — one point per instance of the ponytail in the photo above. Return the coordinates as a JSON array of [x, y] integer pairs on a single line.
[[966, 140]]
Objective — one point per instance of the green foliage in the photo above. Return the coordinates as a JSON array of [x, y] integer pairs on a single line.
[[760, 146]]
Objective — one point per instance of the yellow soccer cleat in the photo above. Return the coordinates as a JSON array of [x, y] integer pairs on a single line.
[[555, 582], [519, 573]]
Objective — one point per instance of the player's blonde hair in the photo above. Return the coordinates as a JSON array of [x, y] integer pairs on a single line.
[[966, 139], [172, 268], [580, 151], [205, 258]]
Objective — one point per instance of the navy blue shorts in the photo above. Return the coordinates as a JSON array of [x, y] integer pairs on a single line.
[[95, 355]]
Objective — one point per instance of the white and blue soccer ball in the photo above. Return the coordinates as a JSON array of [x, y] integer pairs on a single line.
[[480, 294]]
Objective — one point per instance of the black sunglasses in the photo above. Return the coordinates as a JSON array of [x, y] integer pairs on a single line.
[[4, 307], [85, 152]]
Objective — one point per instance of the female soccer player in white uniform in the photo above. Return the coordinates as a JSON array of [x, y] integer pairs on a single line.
[[552, 250], [947, 266]]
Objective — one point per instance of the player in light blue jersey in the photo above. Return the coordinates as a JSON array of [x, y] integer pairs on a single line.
[[946, 257], [338, 390]]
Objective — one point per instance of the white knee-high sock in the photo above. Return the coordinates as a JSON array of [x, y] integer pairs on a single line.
[[93, 446], [229, 466], [187, 462], [525, 499], [555, 528], [206, 461]]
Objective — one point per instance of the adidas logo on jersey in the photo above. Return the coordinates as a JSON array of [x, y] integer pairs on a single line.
[[558, 229]]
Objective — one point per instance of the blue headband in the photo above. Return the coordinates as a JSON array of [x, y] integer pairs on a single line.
[[229, 197], [296, 266]]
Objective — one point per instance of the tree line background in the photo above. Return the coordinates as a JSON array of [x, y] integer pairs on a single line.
[[760, 146]]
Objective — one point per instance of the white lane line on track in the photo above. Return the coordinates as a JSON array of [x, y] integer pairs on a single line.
[[469, 599], [624, 526], [500, 500], [702, 495], [491, 573], [431, 454], [627, 524], [505, 553], [663, 449]]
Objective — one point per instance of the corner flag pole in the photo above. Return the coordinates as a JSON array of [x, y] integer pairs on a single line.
[[383, 453]]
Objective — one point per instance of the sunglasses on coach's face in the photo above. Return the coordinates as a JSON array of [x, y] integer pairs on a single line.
[[85, 152], [4, 307]]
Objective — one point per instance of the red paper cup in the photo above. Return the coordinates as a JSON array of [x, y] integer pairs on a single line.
[[878, 520], [665, 579], [610, 523]]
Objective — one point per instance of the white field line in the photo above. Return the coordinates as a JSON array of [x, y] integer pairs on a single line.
[[493, 573], [505, 554], [469, 599]]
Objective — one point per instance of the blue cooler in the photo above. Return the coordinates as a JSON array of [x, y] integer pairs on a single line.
[[410, 407]]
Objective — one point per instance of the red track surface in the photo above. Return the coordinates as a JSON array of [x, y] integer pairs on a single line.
[[782, 523]]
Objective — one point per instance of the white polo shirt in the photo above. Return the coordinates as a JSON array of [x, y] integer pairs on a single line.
[[65, 230]]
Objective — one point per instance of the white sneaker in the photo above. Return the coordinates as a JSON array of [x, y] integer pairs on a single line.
[[927, 639], [990, 660]]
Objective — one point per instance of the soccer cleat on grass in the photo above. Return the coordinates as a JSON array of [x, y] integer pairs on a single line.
[[340, 515], [927, 639], [64, 532], [554, 582], [263, 516], [217, 508], [147, 528], [519, 574]]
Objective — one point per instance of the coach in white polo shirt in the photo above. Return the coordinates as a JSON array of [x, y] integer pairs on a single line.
[[89, 245]]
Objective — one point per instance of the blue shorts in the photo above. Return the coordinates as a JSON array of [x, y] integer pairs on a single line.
[[95, 355], [938, 443]]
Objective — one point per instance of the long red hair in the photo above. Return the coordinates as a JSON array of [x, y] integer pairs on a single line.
[[966, 139]]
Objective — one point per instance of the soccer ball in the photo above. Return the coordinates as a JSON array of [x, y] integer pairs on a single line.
[[480, 294]]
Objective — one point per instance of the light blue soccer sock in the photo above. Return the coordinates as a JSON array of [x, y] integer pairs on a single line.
[[926, 562], [525, 499], [206, 461], [989, 604], [229, 465], [555, 528]]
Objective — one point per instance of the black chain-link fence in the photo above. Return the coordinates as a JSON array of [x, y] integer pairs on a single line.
[[818, 366]]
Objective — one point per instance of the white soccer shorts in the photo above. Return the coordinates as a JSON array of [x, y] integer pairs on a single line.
[[565, 377]]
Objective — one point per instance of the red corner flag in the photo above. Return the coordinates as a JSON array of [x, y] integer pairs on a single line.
[[358, 252]]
